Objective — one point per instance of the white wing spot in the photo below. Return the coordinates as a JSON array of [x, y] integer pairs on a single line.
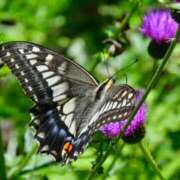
[[49, 57], [124, 93], [8, 54], [124, 102], [114, 105], [41, 135], [128, 104], [69, 106], [130, 95], [120, 116], [47, 74], [61, 97], [42, 68], [31, 56], [16, 66], [59, 89], [68, 119], [12, 60], [114, 117], [111, 106], [35, 49], [106, 107], [36, 121], [53, 152], [35, 97], [125, 114], [44, 148], [33, 61], [119, 105], [30, 88], [63, 118], [21, 51], [53, 80], [72, 128], [26, 80]]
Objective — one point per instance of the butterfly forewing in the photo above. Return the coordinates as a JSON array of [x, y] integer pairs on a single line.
[[45, 75]]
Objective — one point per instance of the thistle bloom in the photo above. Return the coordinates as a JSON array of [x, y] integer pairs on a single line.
[[159, 26], [135, 130]]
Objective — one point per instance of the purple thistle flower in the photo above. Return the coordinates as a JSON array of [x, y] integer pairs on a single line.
[[159, 26], [112, 130]]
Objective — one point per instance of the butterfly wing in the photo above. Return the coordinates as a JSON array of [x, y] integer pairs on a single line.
[[56, 85], [44, 74], [117, 106]]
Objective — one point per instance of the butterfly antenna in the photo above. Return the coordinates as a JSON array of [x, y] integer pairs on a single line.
[[126, 78], [124, 68], [105, 61]]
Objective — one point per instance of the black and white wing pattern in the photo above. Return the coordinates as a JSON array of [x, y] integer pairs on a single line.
[[43, 73], [69, 104]]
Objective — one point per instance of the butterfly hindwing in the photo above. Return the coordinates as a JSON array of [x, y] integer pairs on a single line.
[[118, 106]]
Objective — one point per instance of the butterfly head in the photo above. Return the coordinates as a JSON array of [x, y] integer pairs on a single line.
[[103, 88]]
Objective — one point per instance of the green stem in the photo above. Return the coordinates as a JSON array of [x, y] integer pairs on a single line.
[[2, 160], [113, 161], [151, 84], [23, 163], [101, 161], [93, 67], [150, 159], [128, 17]]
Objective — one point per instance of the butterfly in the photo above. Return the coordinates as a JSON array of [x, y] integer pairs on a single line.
[[70, 106]]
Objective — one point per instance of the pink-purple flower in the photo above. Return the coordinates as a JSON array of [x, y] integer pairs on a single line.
[[135, 128], [159, 26]]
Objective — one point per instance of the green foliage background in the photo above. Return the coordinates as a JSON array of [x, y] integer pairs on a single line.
[[77, 29]]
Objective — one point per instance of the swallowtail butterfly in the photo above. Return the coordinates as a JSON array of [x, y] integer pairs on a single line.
[[70, 105]]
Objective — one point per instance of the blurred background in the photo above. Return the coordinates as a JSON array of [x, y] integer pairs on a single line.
[[81, 31]]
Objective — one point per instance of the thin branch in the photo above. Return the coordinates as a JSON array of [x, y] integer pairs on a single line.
[[113, 161], [101, 161], [151, 160]]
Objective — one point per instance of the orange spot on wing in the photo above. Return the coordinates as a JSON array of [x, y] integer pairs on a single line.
[[68, 147]]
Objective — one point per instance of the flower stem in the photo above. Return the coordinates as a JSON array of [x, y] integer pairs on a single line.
[[23, 163], [128, 17], [113, 161], [151, 160], [2, 160], [151, 84], [101, 161]]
